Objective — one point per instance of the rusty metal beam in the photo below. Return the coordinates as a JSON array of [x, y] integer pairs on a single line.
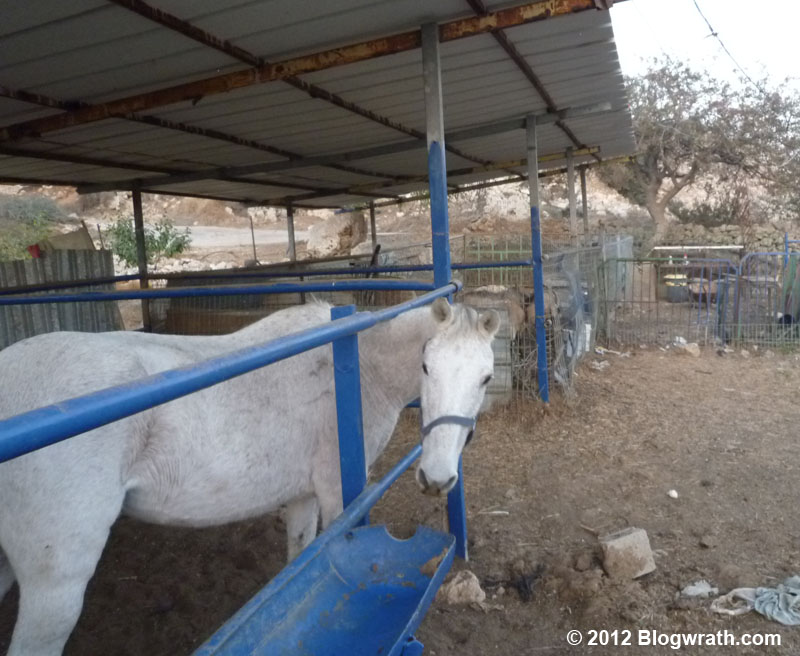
[[479, 8], [282, 70], [172, 22]]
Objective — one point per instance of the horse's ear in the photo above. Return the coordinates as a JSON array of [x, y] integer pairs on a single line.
[[489, 323], [441, 311]]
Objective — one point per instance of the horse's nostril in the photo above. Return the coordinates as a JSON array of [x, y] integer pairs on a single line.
[[422, 480], [450, 484]]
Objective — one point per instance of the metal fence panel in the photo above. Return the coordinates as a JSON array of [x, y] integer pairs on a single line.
[[767, 304], [658, 300], [21, 321]]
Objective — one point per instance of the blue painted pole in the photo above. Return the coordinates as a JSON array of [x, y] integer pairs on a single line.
[[440, 223], [536, 248], [440, 228], [349, 418], [786, 249]]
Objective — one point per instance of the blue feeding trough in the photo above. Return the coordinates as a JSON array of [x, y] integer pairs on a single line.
[[365, 592]]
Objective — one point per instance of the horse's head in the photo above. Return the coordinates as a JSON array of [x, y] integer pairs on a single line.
[[457, 365]]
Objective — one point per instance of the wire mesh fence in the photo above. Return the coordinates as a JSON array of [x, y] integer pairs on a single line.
[[572, 298], [661, 300]]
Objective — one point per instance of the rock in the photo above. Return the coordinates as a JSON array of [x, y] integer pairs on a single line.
[[692, 349], [463, 588], [337, 235], [708, 541], [745, 353], [627, 554], [769, 354]]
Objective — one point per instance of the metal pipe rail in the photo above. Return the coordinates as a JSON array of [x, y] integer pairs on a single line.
[[42, 427], [204, 275], [189, 292]]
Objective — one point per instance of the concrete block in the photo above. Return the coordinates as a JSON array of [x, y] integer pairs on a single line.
[[627, 554]]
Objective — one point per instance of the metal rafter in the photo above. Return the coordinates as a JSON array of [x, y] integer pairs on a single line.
[[45, 101], [282, 70], [479, 8], [12, 151], [364, 189], [363, 153], [176, 24]]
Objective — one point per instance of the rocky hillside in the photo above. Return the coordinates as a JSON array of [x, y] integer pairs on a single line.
[[492, 210]]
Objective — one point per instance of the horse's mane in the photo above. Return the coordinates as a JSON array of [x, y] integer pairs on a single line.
[[465, 320]]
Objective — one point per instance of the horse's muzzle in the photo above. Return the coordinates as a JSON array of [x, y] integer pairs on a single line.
[[434, 488]]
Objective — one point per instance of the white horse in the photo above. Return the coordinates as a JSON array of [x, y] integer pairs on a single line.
[[239, 449]]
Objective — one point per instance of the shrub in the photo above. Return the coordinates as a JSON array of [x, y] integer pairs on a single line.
[[162, 240], [25, 220], [29, 209]]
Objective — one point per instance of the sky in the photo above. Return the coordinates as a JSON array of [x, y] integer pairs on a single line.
[[760, 35]]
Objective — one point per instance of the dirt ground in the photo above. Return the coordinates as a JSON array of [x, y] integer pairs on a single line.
[[717, 429]]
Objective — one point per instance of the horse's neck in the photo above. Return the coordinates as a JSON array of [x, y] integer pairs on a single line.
[[391, 356]]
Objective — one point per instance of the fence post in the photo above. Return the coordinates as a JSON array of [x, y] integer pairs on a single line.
[[536, 249], [347, 379]]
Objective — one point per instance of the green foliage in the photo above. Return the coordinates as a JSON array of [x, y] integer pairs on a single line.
[[163, 240], [14, 240], [25, 220]]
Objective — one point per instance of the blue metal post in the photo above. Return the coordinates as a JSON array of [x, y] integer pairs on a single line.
[[536, 248], [347, 378], [785, 249], [440, 229]]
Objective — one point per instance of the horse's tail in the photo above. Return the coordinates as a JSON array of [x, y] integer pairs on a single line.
[[7, 576]]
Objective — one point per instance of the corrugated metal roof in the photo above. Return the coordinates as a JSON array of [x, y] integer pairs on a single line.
[[56, 57]]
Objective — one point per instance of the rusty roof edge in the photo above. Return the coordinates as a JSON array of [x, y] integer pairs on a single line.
[[457, 29]]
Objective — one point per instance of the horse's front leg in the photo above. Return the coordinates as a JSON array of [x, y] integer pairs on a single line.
[[301, 524], [328, 488]]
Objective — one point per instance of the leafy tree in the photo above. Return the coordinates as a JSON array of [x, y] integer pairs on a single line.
[[163, 240], [691, 129]]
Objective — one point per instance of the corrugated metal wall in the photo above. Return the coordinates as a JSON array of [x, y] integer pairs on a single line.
[[20, 321]]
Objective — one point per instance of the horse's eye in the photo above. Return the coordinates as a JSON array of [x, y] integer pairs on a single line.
[[425, 368], [486, 380]]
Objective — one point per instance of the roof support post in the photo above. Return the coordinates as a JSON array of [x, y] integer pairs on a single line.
[[290, 228], [573, 208], [584, 205], [536, 248], [440, 230], [141, 253], [372, 231]]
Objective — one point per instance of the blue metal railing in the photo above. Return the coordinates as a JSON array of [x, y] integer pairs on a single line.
[[44, 426]]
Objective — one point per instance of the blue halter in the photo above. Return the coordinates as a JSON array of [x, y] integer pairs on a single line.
[[469, 422]]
